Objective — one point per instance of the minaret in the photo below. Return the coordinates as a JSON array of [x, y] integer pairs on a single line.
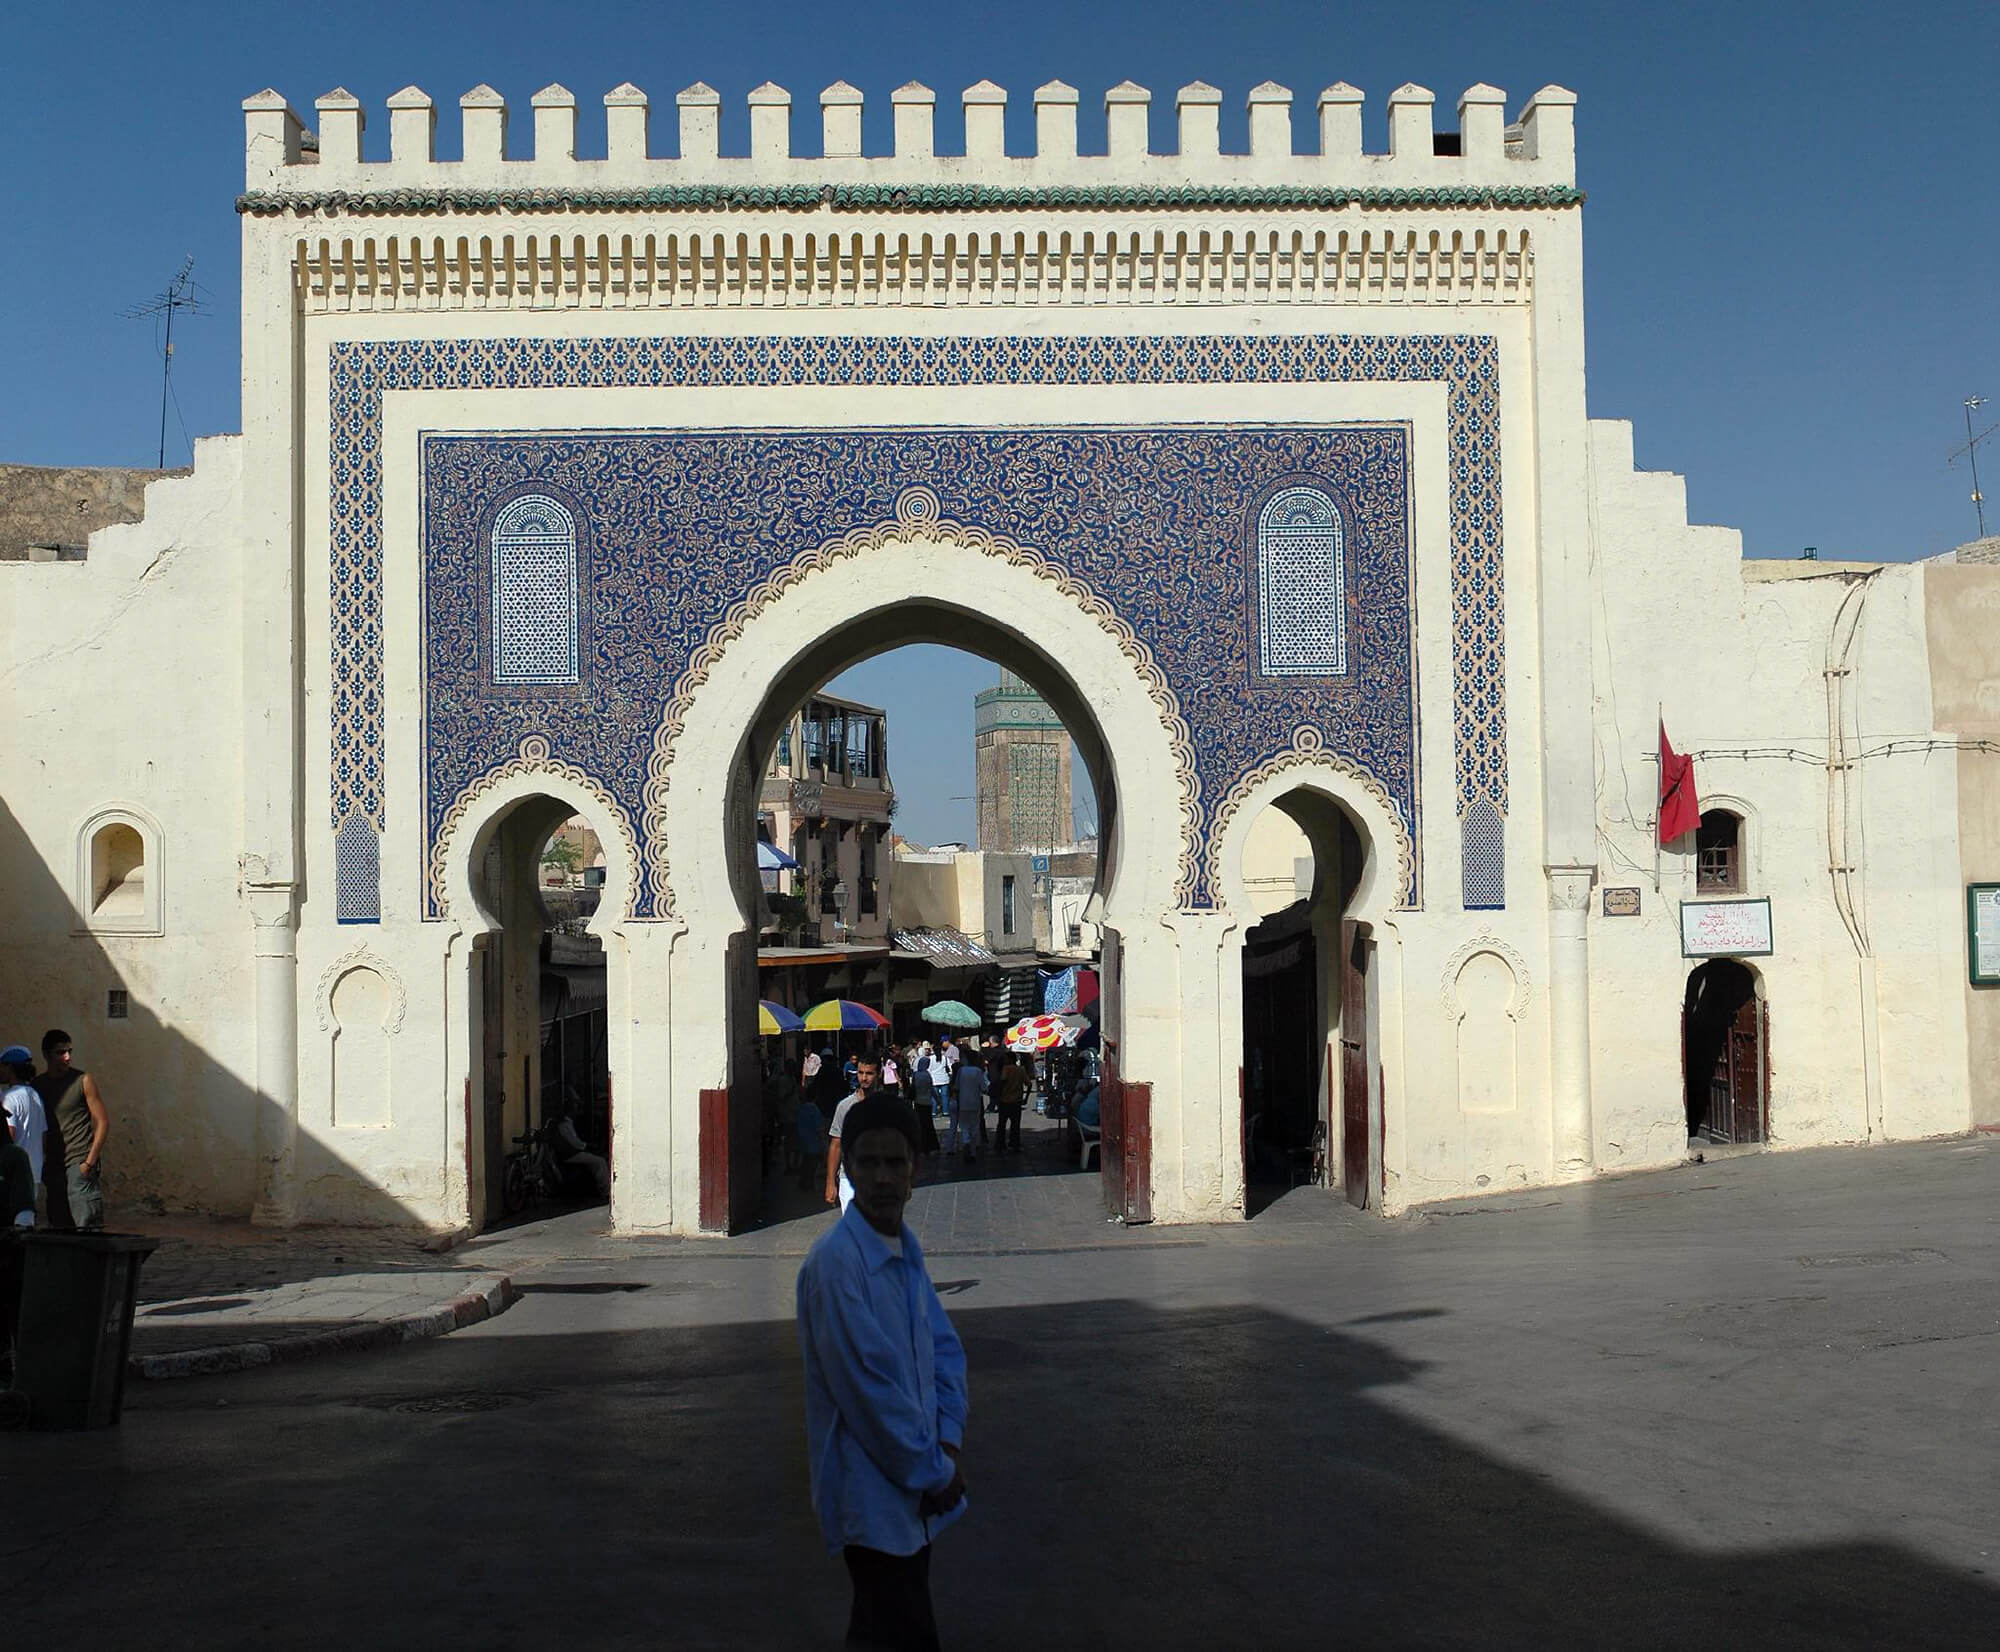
[[1022, 755]]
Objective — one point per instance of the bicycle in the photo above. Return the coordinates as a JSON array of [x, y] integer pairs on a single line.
[[531, 1172]]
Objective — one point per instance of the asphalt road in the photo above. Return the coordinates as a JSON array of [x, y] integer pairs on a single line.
[[1748, 1404]]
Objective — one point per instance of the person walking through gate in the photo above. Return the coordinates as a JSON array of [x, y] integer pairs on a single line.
[[1010, 1095], [866, 1077], [77, 1115], [968, 1105], [885, 1390]]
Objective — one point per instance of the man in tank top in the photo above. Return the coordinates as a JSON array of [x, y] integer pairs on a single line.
[[78, 1124]]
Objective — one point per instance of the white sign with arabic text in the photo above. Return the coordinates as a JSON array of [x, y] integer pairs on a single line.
[[1726, 929]]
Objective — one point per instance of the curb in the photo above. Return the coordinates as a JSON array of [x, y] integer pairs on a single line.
[[488, 1295]]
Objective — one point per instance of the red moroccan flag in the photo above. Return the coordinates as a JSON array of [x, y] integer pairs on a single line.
[[1680, 810]]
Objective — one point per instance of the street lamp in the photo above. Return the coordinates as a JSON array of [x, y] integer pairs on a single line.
[[840, 913]]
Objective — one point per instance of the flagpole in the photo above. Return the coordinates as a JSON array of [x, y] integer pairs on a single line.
[[1659, 784]]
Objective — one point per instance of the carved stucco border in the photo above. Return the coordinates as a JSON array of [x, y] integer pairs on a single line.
[[917, 519], [1486, 941], [1309, 751], [534, 761], [361, 957]]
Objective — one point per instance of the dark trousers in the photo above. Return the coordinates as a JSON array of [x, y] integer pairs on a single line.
[[1009, 1122], [892, 1600]]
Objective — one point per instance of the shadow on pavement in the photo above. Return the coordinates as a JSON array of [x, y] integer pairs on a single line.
[[1197, 1479]]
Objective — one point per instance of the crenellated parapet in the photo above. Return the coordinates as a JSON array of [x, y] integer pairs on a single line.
[[1482, 161]]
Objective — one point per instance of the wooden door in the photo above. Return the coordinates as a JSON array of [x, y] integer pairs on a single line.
[[1354, 1111], [1125, 1143], [1744, 1056], [493, 1071]]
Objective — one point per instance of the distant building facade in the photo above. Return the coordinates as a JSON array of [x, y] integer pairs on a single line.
[[827, 803]]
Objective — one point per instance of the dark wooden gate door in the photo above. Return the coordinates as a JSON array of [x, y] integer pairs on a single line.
[[1354, 1062], [1744, 1053], [1125, 1143], [493, 1071]]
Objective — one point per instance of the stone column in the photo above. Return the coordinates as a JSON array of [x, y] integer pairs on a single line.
[[1569, 1020], [277, 1002]]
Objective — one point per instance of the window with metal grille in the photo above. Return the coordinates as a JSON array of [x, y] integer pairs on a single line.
[[535, 606], [1301, 586], [1718, 852], [1006, 906]]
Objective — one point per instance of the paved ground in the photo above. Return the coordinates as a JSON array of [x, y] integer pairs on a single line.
[[217, 1295], [1748, 1404]]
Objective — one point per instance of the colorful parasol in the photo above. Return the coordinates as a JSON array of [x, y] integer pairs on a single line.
[[844, 1015], [949, 1012], [773, 1019], [1038, 1032]]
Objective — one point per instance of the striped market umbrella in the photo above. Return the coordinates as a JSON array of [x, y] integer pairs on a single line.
[[844, 1015], [773, 1019]]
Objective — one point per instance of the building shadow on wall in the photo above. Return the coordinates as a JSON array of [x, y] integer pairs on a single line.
[[1214, 1477], [184, 1125]]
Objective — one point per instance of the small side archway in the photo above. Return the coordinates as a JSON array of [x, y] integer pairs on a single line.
[[1362, 861], [488, 863]]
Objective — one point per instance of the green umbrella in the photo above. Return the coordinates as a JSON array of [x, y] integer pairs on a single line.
[[949, 1012]]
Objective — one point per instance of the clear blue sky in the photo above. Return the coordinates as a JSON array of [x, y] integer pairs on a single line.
[[1792, 241]]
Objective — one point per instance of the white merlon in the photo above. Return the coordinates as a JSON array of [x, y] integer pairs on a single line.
[[916, 108], [1410, 136], [272, 134], [770, 123], [627, 116], [555, 124], [1340, 122], [483, 115], [840, 121], [1055, 120], [1482, 124], [1548, 128], [1126, 107], [1270, 108], [985, 121], [1486, 152], [1200, 108], [701, 123], [412, 127], [341, 119]]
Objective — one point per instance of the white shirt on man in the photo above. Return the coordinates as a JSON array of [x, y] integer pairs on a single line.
[[26, 1122]]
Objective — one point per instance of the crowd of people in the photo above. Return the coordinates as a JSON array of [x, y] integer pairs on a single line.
[[950, 1085]]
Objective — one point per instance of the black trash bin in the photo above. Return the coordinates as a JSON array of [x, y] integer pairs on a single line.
[[78, 1291]]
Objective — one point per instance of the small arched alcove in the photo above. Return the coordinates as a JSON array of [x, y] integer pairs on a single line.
[[118, 872]]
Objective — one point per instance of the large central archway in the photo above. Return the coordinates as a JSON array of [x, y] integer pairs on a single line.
[[917, 580]]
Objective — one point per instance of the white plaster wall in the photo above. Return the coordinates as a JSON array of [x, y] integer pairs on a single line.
[[1738, 653], [120, 687]]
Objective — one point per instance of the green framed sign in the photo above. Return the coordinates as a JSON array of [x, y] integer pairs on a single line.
[[1982, 933]]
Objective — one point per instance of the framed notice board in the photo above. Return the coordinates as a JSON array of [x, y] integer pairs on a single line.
[[1982, 933]]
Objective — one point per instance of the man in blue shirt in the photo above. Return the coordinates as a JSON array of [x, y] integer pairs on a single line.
[[885, 1388]]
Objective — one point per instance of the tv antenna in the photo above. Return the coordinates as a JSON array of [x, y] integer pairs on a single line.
[[1970, 453], [179, 294]]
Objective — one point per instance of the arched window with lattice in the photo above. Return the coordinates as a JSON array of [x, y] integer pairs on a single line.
[[1301, 586], [536, 609]]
